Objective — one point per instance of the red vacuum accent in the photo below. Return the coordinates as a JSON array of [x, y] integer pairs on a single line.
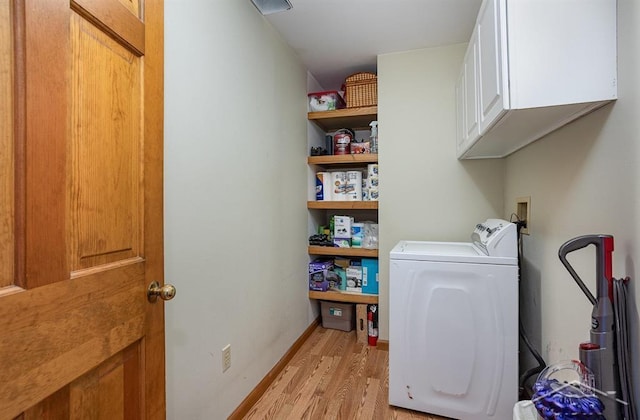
[[589, 346], [608, 264]]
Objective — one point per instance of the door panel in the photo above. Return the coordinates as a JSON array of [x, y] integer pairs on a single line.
[[105, 173], [100, 394], [6, 148], [74, 326], [55, 406], [132, 5], [81, 209], [120, 22]]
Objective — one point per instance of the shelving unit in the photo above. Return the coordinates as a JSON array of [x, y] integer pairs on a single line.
[[343, 205], [343, 252], [328, 121], [342, 159], [356, 118], [344, 297]]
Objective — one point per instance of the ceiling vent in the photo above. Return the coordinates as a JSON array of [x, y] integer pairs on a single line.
[[267, 7]]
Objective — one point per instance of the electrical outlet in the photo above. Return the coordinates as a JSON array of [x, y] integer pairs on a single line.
[[523, 211], [226, 357]]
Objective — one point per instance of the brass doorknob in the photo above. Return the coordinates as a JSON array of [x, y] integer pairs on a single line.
[[155, 291]]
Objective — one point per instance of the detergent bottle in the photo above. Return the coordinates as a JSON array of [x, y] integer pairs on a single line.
[[374, 136]]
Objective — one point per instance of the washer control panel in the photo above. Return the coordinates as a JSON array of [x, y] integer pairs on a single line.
[[496, 237]]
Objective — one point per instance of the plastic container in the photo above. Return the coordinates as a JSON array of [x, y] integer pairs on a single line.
[[337, 315], [325, 101], [525, 410], [374, 136], [342, 140], [360, 148]]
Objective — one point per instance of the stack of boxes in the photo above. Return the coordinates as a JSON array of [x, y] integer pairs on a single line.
[[356, 275], [346, 233]]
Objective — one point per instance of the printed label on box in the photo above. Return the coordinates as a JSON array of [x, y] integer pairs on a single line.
[[354, 279], [335, 311], [342, 227]]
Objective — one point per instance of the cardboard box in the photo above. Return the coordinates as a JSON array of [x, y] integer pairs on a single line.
[[342, 243], [354, 279], [342, 262], [357, 235], [342, 227], [370, 276], [362, 334], [341, 277], [359, 148], [337, 315], [318, 275]]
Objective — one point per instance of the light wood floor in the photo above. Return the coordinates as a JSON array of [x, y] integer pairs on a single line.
[[332, 377]]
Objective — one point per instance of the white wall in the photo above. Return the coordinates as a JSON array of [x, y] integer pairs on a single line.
[[425, 192], [235, 187], [582, 179]]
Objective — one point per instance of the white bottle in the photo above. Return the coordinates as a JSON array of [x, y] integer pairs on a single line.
[[374, 137]]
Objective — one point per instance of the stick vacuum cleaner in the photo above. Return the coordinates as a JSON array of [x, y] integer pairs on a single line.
[[607, 352]]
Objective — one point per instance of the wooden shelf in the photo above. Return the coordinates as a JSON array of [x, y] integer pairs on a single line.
[[343, 205], [328, 121], [343, 159], [343, 252], [355, 118], [344, 297]]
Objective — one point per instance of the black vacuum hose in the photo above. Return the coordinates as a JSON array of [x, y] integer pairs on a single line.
[[541, 363], [535, 370]]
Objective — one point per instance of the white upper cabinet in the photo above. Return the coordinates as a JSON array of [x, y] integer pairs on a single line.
[[468, 129], [537, 65], [492, 101], [470, 75]]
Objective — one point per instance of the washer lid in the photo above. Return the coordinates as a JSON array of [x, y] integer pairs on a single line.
[[463, 252]]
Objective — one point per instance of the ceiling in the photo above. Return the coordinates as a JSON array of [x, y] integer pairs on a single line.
[[336, 38]]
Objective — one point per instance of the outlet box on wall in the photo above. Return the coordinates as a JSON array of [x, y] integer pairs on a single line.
[[523, 211]]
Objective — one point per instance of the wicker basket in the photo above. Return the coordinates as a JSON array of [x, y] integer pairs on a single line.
[[361, 89]]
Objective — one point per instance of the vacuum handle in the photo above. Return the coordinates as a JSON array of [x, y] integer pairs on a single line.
[[604, 245]]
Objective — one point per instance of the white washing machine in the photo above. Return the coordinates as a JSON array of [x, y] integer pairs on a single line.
[[453, 324]]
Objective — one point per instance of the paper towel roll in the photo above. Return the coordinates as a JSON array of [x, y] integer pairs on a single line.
[[319, 188], [374, 194], [372, 170], [338, 186], [372, 182], [354, 186], [323, 186], [365, 189]]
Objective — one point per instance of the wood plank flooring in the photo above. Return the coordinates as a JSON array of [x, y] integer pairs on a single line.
[[332, 377]]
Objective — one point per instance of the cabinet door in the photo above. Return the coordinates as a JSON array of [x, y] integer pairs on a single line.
[[493, 101], [460, 117], [470, 98]]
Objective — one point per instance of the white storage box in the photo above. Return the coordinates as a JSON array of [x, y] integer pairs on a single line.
[[325, 101]]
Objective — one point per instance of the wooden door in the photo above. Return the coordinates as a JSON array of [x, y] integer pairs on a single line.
[[81, 107]]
